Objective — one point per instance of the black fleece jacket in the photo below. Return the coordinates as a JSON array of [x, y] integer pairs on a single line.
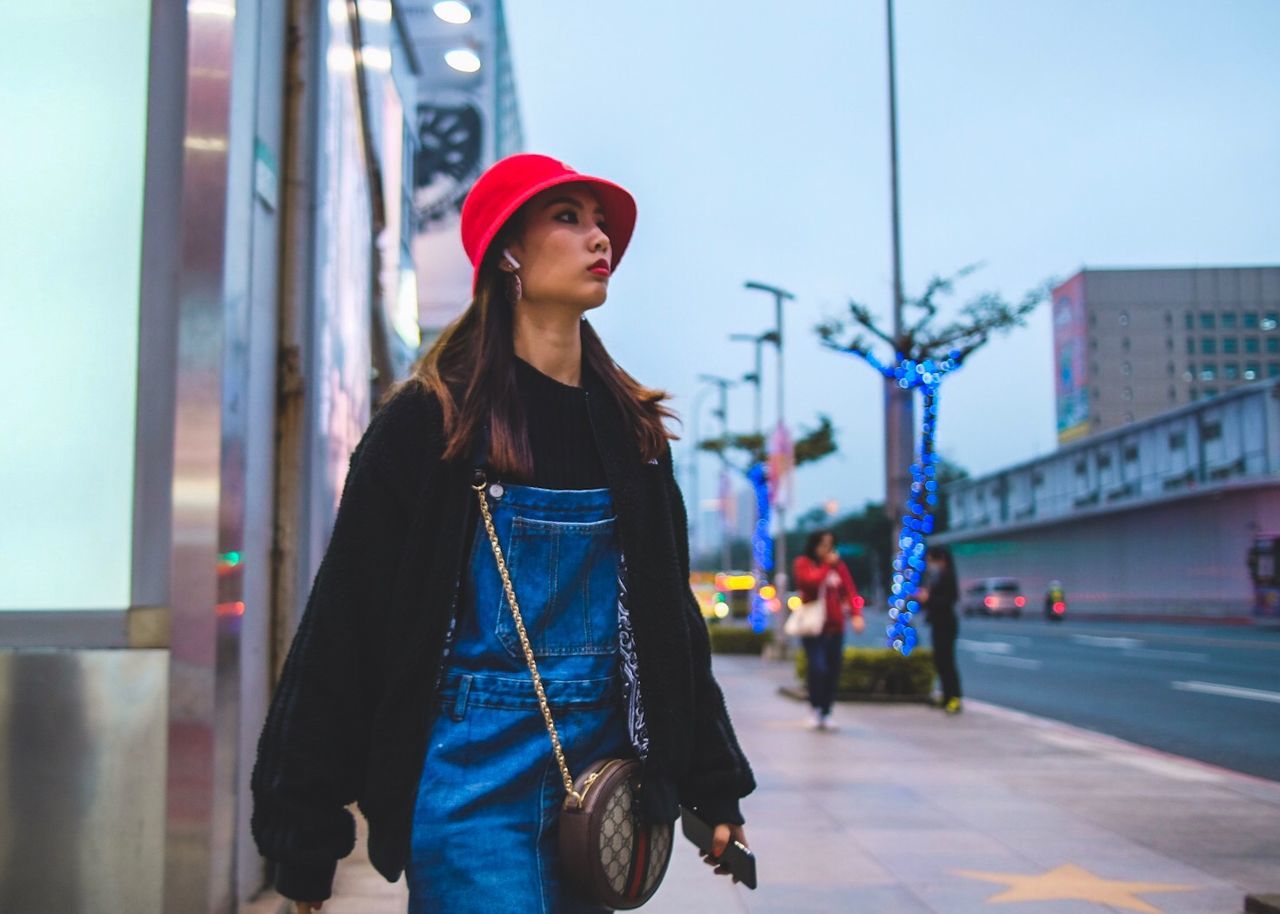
[[349, 718]]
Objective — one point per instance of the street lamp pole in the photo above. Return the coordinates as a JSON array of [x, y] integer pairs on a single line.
[[757, 377], [780, 544], [899, 438], [695, 477], [724, 384]]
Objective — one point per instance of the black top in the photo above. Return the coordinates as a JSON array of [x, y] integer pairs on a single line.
[[943, 594], [565, 455]]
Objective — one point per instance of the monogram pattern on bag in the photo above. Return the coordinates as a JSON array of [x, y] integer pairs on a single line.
[[617, 837], [618, 829]]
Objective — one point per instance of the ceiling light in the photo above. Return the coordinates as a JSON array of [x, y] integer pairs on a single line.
[[464, 60], [453, 12]]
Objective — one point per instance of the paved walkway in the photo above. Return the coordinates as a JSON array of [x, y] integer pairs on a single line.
[[904, 810]]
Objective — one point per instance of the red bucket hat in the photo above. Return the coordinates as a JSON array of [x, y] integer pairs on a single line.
[[511, 182]]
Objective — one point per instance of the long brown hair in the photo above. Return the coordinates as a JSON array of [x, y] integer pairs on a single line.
[[471, 369]]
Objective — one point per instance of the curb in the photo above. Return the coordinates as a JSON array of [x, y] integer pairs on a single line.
[[1262, 904]]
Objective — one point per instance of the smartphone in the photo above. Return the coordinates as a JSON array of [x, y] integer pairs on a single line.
[[740, 861]]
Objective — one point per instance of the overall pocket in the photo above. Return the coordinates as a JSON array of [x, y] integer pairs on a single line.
[[561, 572]]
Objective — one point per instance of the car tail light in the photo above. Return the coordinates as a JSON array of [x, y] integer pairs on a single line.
[[989, 602], [1059, 607], [1020, 601]]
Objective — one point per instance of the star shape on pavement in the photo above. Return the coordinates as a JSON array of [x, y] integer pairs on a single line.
[[1070, 882]]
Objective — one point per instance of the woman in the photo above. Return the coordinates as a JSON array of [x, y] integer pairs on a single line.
[[406, 688], [938, 597], [820, 573]]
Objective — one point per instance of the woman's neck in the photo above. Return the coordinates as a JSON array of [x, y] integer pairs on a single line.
[[550, 342]]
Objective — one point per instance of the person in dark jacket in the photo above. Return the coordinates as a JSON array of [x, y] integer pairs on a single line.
[[819, 572], [406, 688], [938, 597]]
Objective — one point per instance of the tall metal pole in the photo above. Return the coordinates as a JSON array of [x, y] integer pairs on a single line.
[[724, 384], [695, 473], [780, 544], [899, 440], [757, 377]]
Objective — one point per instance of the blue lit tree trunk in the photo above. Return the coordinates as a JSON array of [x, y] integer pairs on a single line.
[[923, 356], [761, 544]]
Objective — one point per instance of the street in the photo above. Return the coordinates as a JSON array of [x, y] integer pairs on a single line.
[[1207, 693]]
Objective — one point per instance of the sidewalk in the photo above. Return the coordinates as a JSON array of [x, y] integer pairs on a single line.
[[904, 810]]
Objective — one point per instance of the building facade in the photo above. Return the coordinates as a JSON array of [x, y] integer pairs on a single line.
[[1130, 344], [206, 282], [1156, 517]]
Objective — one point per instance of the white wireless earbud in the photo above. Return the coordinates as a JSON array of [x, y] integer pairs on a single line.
[[515, 264]]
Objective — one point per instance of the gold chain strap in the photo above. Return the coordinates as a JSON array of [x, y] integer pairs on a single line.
[[528, 652]]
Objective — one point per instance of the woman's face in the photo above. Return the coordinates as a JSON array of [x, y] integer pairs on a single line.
[[825, 545], [564, 252]]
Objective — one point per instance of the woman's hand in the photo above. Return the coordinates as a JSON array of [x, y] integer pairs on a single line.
[[720, 840], [306, 907], [922, 594], [859, 624]]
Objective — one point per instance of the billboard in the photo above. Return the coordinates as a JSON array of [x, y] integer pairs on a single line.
[[1071, 359]]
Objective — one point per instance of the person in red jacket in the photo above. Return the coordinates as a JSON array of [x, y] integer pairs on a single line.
[[819, 570]]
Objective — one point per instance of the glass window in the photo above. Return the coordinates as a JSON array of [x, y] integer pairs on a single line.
[[1190, 323], [1230, 345], [1250, 320], [1270, 321], [1128, 393], [1273, 344], [1124, 344], [1173, 395], [1273, 369], [1191, 346], [1231, 372], [1229, 321], [1208, 346], [1127, 370], [1193, 396], [1124, 318], [1251, 344], [1208, 372], [1252, 371], [1207, 321], [1211, 392]]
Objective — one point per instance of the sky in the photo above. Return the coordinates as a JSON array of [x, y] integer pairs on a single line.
[[1035, 138]]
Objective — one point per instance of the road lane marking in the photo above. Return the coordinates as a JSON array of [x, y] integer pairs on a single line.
[[1150, 653], [1021, 663], [985, 647], [1105, 641], [1217, 688]]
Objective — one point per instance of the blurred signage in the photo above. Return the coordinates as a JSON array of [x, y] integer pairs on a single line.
[[1070, 350]]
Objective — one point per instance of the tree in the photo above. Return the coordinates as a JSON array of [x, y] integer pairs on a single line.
[[924, 353], [813, 445]]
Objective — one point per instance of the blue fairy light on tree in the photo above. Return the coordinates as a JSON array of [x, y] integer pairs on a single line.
[[924, 354]]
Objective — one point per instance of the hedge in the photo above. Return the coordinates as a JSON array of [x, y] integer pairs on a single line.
[[880, 671], [737, 639]]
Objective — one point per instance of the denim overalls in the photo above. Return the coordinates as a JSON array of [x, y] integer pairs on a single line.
[[485, 827]]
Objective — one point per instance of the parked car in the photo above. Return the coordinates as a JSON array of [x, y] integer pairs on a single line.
[[993, 597]]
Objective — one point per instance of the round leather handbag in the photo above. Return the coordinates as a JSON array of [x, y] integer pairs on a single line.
[[610, 854]]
